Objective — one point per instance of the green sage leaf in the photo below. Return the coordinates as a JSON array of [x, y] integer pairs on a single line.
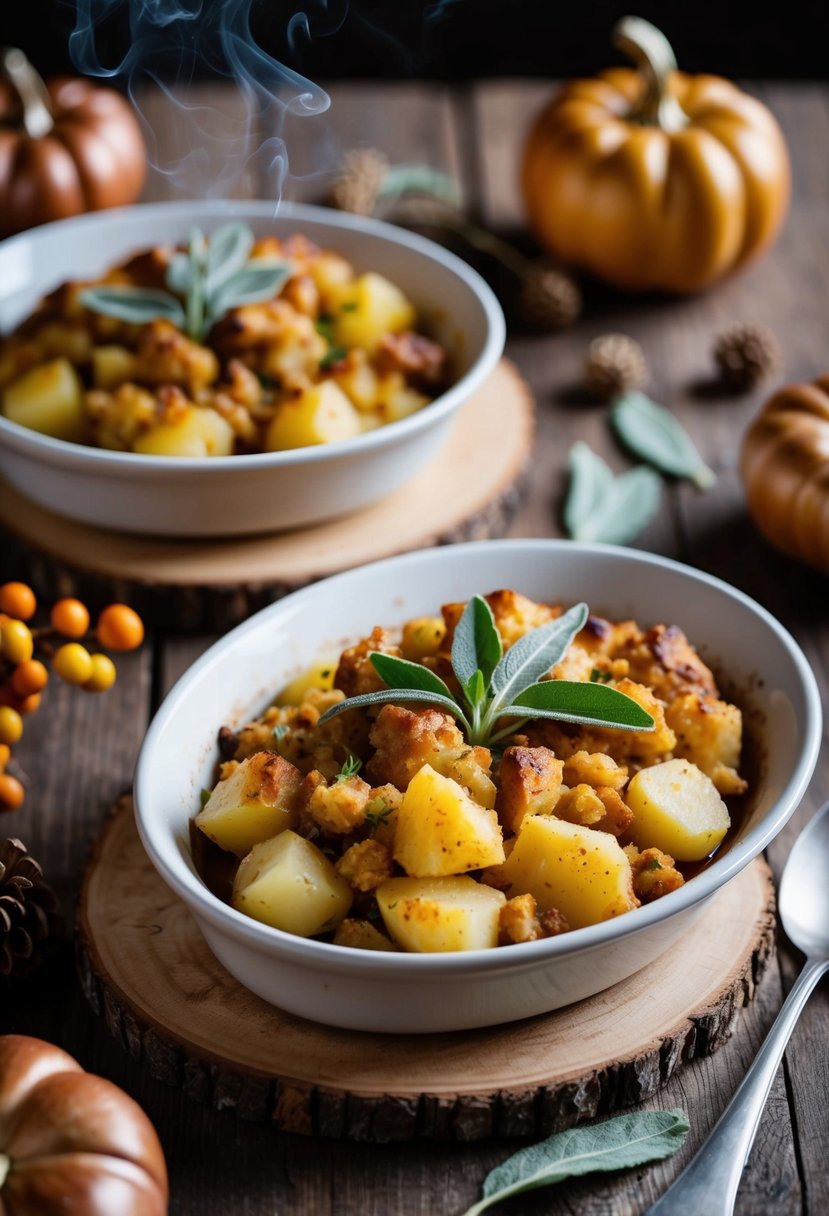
[[400, 673], [475, 689], [655, 435], [256, 281], [396, 696], [534, 654], [583, 702], [620, 1143], [179, 276], [419, 179], [138, 305], [476, 645], [590, 481], [601, 507], [227, 252]]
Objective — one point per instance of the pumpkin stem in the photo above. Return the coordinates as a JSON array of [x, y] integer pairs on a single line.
[[34, 97], [652, 54], [5, 1166]]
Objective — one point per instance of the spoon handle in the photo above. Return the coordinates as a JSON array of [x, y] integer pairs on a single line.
[[709, 1183]]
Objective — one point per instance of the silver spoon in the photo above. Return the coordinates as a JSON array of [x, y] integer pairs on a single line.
[[709, 1183]]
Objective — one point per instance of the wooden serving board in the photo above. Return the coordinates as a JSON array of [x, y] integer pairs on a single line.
[[146, 968], [468, 492]]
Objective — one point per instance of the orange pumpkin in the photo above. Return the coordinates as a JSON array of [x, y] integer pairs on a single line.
[[66, 147], [71, 1142], [650, 178], [785, 468]]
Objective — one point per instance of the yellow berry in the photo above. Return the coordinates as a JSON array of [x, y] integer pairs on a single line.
[[5, 755], [119, 628], [16, 642], [30, 704], [29, 677], [103, 674], [11, 792], [11, 725], [70, 617], [17, 600], [73, 663]]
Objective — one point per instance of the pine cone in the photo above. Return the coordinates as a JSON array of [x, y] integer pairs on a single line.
[[359, 181], [615, 364], [29, 917], [550, 299], [746, 354]]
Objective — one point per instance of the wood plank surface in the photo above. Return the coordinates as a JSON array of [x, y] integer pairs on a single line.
[[79, 752]]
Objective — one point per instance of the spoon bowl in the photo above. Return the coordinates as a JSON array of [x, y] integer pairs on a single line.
[[803, 899]]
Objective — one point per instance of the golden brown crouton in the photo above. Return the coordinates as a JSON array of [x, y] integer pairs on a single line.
[[617, 814], [361, 935], [581, 805], [594, 768], [709, 733], [336, 809], [602, 637], [365, 865], [518, 922], [167, 356], [654, 874], [355, 673], [530, 783], [665, 660], [407, 739]]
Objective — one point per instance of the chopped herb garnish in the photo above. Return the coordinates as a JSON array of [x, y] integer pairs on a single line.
[[350, 768], [324, 328], [335, 355], [280, 731], [205, 797], [654, 863], [597, 676], [377, 811], [349, 306]]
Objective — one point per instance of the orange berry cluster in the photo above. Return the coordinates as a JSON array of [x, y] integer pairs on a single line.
[[24, 675]]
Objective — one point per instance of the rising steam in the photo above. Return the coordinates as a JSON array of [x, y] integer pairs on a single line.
[[202, 150]]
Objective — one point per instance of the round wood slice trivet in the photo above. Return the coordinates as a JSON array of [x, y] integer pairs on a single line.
[[469, 491], [145, 966]]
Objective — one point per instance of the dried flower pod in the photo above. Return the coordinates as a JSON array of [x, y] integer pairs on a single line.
[[615, 364], [30, 920], [550, 298], [358, 184], [745, 355]]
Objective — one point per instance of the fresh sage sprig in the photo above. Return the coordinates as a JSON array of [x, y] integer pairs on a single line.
[[495, 685], [616, 1144], [653, 434], [206, 282], [603, 507]]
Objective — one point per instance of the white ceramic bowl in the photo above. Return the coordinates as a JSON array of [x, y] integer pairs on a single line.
[[263, 492], [436, 992]]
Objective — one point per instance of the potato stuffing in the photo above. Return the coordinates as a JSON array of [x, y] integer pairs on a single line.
[[235, 346], [419, 794]]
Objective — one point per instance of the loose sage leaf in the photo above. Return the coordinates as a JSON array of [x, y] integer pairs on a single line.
[[256, 281], [419, 179], [400, 673], [655, 435], [534, 654], [227, 252], [138, 305], [590, 480], [476, 645], [395, 696], [616, 1144], [601, 507], [583, 702]]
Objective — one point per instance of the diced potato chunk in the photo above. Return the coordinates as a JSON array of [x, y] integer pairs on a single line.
[[676, 808], [256, 802], [48, 399], [201, 432], [582, 872], [440, 830], [431, 915], [422, 637], [370, 307], [290, 884], [112, 366], [361, 935], [318, 675], [323, 414]]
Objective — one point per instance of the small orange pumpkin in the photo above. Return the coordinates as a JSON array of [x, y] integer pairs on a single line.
[[66, 147], [71, 1142], [785, 467], [650, 178]]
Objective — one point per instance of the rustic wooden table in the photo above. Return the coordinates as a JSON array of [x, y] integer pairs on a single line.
[[79, 752]]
